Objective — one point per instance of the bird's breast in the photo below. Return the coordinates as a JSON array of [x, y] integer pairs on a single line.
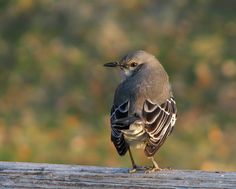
[[136, 136]]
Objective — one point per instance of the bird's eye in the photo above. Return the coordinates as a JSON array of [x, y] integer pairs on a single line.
[[133, 64]]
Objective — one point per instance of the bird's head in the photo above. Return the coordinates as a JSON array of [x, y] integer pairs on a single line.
[[132, 62]]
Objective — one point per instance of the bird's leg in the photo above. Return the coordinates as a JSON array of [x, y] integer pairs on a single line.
[[155, 166], [134, 169]]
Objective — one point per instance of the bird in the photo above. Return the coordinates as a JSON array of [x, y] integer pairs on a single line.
[[144, 110]]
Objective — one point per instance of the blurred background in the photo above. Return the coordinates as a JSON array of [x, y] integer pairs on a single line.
[[55, 94]]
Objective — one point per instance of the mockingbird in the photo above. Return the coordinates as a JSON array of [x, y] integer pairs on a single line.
[[144, 110]]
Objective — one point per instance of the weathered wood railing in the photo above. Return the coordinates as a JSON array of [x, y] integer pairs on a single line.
[[36, 175]]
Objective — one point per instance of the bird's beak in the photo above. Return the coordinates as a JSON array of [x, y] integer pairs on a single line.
[[111, 64]]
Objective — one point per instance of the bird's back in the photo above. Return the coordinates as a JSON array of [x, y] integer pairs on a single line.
[[151, 82]]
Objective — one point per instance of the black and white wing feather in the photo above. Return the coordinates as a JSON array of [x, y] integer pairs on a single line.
[[118, 118], [159, 122]]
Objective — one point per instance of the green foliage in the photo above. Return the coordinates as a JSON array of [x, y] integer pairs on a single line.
[[55, 95]]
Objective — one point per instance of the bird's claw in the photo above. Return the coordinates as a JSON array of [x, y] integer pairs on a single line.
[[133, 170], [153, 169], [136, 169]]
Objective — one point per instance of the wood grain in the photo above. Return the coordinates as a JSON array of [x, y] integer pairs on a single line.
[[37, 175]]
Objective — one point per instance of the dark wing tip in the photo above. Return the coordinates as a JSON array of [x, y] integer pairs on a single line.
[[119, 121], [119, 143]]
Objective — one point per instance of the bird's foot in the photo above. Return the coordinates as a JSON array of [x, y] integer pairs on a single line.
[[137, 169], [133, 170], [153, 169]]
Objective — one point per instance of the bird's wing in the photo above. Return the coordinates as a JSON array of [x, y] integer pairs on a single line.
[[120, 121], [159, 120]]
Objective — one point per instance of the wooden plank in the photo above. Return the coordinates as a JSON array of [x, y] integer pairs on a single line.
[[37, 175]]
